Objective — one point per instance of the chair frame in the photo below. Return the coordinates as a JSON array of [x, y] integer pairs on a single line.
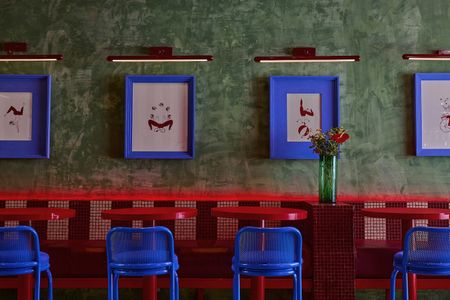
[[22, 268], [270, 270], [115, 270], [406, 268]]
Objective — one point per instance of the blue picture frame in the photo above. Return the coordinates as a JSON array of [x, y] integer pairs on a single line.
[[432, 114], [32, 126], [146, 141], [325, 89]]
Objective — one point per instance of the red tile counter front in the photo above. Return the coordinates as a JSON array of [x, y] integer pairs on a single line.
[[330, 231]]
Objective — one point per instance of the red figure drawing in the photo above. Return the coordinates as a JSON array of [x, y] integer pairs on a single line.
[[16, 114], [305, 112], [303, 130], [152, 123], [15, 111], [160, 118], [445, 123]]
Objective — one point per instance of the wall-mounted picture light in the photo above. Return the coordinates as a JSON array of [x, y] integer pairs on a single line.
[[11, 47], [301, 55], [160, 54]]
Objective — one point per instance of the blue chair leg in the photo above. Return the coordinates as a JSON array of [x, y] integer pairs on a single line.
[[295, 291], [37, 284], [116, 287], [236, 286], [110, 285], [299, 284], [172, 285], [393, 278], [50, 285], [177, 287], [405, 285], [300, 287]]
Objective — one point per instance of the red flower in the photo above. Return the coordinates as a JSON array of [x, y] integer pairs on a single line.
[[340, 138]]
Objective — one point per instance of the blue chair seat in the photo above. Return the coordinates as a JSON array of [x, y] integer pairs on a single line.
[[427, 260], [267, 273], [265, 266], [141, 264], [9, 259], [424, 265], [44, 260]]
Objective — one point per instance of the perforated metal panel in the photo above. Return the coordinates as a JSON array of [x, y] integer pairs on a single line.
[[58, 229], [88, 224], [185, 229], [390, 229]]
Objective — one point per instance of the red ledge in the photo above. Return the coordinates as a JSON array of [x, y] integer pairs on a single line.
[[149, 196], [202, 196]]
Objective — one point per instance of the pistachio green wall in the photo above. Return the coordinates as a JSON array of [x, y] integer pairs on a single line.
[[232, 115]]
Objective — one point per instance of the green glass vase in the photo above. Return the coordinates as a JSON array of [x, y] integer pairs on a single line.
[[327, 179]]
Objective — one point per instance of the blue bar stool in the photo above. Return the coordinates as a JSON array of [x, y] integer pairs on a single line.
[[20, 254], [426, 251], [140, 252], [268, 252]]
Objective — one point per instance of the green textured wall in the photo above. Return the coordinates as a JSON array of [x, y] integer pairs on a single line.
[[232, 115]]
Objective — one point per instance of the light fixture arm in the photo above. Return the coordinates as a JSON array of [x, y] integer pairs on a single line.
[[438, 55], [304, 51], [12, 47], [160, 51]]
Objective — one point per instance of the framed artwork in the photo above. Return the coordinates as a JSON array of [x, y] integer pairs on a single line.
[[432, 110], [299, 105], [25, 116], [159, 116]]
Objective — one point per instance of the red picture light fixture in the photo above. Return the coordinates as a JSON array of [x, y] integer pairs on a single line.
[[12, 47], [160, 54], [439, 55], [308, 54]]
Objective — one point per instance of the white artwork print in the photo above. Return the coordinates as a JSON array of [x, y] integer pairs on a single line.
[[303, 116], [16, 116], [160, 117], [435, 102]]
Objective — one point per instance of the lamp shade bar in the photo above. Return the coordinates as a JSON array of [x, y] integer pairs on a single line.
[[28, 58], [11, 47], [426, 56], [162, 58], [295, 59], [160, 54]]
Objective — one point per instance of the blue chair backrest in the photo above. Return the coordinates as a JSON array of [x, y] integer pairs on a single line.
[[427, 245], [256, 245], [18, 244], [126, 245]]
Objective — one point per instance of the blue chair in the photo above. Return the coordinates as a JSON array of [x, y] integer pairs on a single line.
[[140, 252], [20, 254], [268, 252], [426, 251]]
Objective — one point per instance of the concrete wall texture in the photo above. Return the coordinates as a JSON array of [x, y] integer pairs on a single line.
[[232, 105]]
